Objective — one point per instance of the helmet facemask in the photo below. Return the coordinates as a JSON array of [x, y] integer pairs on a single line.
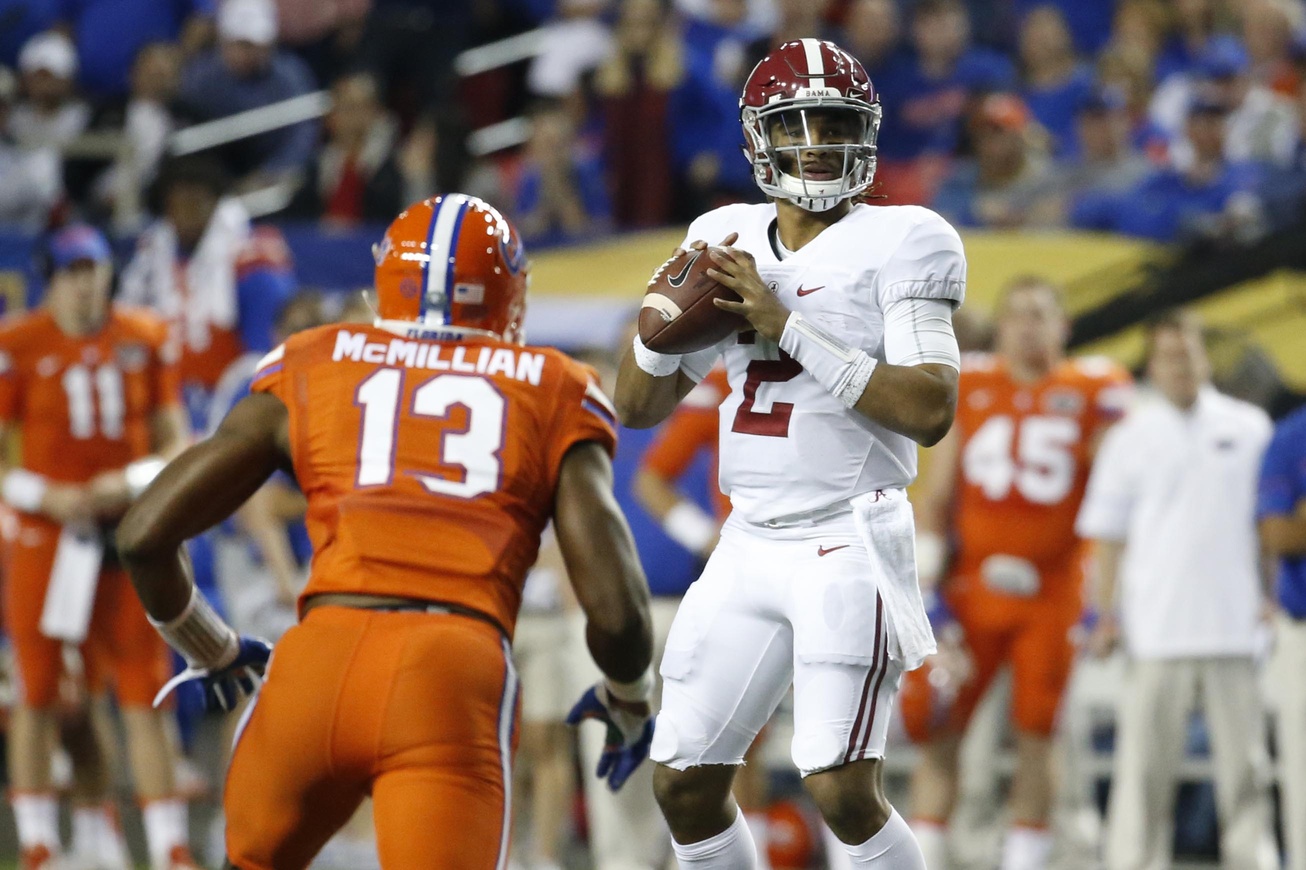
[[813, 152]]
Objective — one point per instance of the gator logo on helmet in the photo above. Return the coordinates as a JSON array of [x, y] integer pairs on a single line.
[[408, 287]]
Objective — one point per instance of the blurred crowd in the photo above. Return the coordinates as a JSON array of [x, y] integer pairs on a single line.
[[1169, 120]]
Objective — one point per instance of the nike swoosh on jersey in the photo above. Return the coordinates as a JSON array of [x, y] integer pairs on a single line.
[[679, 278], [823, 551], [802, 292]]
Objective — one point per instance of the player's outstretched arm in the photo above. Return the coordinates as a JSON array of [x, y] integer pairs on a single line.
[[202, 487], [603, 566], [605, 573]]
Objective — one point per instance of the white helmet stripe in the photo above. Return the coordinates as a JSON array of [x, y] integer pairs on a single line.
[[815, 65], [437, 268]]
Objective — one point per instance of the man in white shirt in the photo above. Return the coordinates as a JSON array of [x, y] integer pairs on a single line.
[[1170, 507]]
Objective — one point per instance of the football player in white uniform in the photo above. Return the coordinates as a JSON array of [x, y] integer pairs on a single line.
[[851, 361]]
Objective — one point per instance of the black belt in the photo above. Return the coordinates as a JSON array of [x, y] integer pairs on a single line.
[[416, 605]]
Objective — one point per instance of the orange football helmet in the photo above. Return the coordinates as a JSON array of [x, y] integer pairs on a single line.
[[452, 263]]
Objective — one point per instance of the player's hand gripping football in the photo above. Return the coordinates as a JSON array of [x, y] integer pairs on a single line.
[[737, 270], [630, 732], [224, 686]]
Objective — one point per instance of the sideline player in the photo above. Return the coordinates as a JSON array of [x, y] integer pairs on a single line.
[[92, 391], [1007, 482], [851, 361], [432, 447]]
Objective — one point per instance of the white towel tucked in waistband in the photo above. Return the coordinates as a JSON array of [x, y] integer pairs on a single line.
[[887, 527]]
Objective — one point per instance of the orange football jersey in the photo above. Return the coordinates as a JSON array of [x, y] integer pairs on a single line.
[[430, 467], [84, 404], [1025, 456], [694, 426]]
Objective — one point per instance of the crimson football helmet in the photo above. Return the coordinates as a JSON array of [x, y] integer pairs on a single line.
[[451, 264], [811, 117]]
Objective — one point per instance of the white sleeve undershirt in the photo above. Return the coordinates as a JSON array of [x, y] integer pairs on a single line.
[[919, 331]]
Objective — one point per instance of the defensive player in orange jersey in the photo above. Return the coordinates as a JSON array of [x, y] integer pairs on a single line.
[[1005, 485], [92, 392], [432, 447]]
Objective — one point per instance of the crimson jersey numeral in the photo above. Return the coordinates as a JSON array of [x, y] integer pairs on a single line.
[[775, 422], [473, 449]]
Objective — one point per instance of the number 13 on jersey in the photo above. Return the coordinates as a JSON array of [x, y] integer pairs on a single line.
[[471, 451]]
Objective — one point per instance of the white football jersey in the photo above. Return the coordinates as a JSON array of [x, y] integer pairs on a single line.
[[787, 445]]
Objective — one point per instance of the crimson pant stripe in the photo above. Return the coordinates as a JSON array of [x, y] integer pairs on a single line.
[[879, 681], [866, 688]]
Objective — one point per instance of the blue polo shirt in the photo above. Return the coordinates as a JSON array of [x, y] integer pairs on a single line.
[[1282, 489]]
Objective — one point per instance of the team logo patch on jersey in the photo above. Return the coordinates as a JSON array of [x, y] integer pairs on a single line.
[[979, 399], [47, 365], [1066, 402], [132, 357]]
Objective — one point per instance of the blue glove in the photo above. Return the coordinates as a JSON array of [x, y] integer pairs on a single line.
[[224, 686], [628, 738]]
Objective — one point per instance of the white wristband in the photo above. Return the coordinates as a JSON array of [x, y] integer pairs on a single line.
[[200, 635], [841, 369], [659, 365], [140, 473], [689, 526], [634, 692], [24, 490]]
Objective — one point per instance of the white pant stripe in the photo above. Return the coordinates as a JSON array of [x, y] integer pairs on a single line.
[[507, 709]]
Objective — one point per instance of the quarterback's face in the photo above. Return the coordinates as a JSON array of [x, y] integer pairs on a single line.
[[803, 135], [1031, 326]]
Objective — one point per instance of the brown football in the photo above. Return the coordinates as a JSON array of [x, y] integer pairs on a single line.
[[678, 315]]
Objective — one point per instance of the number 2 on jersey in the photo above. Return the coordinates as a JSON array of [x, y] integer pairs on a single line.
[[1042, 467], [475, 448]]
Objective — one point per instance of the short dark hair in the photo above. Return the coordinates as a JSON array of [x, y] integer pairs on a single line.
[[199, 170], [1169, 320]]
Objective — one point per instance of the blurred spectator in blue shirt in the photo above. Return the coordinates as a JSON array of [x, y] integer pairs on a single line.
[[1281, 514], [1105, 161], [1210, 198], [1193, 24], [109, 33], [248, 71], [706, 137], [1088, 22], [872, 33], [560, 192], [926, 97], [1055, 82], [1261, 124], [1008, 181]]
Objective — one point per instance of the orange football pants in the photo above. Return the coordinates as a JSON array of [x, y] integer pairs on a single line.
[[1033, 635], [122, 650], [418, 710]]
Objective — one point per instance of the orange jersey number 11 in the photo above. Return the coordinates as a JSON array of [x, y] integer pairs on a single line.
[[474, 449]]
